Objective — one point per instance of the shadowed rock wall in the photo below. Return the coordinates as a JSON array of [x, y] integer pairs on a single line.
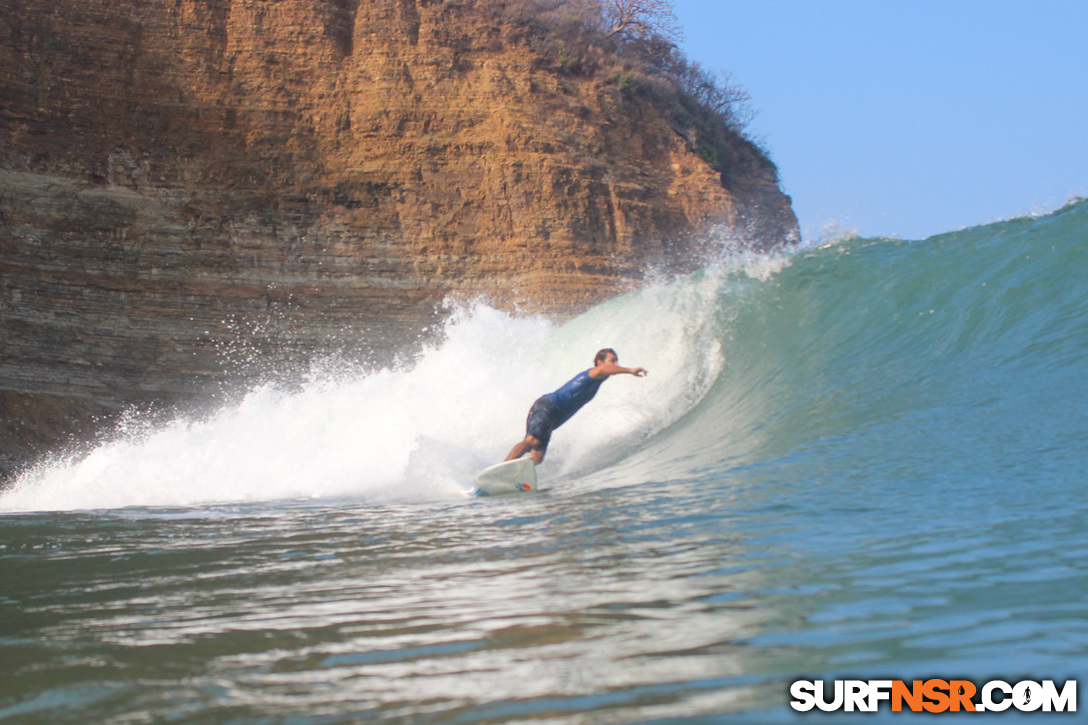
[[189, 185]]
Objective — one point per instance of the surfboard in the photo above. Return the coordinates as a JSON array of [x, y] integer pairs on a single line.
[[516, 476]]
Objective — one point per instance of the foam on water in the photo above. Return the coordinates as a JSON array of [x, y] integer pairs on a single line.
[[423, 431]]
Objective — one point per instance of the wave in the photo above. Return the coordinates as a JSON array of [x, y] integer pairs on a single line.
[[417, 433], [966, 346], [750, 360]]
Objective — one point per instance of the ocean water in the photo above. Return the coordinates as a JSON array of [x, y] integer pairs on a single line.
[[863, 460]]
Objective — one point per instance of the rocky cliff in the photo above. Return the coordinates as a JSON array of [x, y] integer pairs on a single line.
[[185, 185]]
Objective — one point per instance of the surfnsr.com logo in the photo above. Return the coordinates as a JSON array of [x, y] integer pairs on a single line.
[[934, 696]]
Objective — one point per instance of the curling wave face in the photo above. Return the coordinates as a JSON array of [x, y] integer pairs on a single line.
[[752, 359], [421, 431]]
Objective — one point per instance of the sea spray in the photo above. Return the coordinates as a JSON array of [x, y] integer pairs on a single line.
[[754, 359], [421, 431]]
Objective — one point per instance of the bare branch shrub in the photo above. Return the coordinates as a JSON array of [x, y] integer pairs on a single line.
[[640, 19], [633, 43]]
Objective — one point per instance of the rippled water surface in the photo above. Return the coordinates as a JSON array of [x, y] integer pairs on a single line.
[[658, 600]]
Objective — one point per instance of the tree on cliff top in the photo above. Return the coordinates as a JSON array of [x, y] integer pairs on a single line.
[[640, 19], [634, 44], [622, 19]]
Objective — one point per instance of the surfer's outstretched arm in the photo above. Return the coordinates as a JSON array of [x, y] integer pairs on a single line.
[[607, 370]]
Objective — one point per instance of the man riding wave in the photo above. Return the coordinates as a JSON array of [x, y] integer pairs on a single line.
[[554, 409]]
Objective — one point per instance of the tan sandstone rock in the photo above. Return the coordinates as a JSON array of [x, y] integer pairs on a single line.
[[189, 185]]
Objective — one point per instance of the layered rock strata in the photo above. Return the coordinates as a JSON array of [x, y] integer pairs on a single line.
[[188, 188]]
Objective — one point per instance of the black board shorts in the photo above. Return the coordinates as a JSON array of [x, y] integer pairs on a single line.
[[541, 422]]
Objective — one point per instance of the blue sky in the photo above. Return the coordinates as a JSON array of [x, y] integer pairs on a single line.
[[909, 117]]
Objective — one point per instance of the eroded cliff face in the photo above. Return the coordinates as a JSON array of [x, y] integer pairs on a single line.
[[187, 184]]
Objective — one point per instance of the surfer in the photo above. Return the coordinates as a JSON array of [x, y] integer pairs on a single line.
[[554, 409]]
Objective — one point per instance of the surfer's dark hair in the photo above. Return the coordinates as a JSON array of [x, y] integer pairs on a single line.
[[602, 354]]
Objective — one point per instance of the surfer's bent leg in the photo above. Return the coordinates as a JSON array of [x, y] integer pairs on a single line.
[[521, 448], [531, 446], [538, 432]]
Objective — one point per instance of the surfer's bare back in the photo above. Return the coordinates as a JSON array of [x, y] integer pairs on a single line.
[[554, 409]]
